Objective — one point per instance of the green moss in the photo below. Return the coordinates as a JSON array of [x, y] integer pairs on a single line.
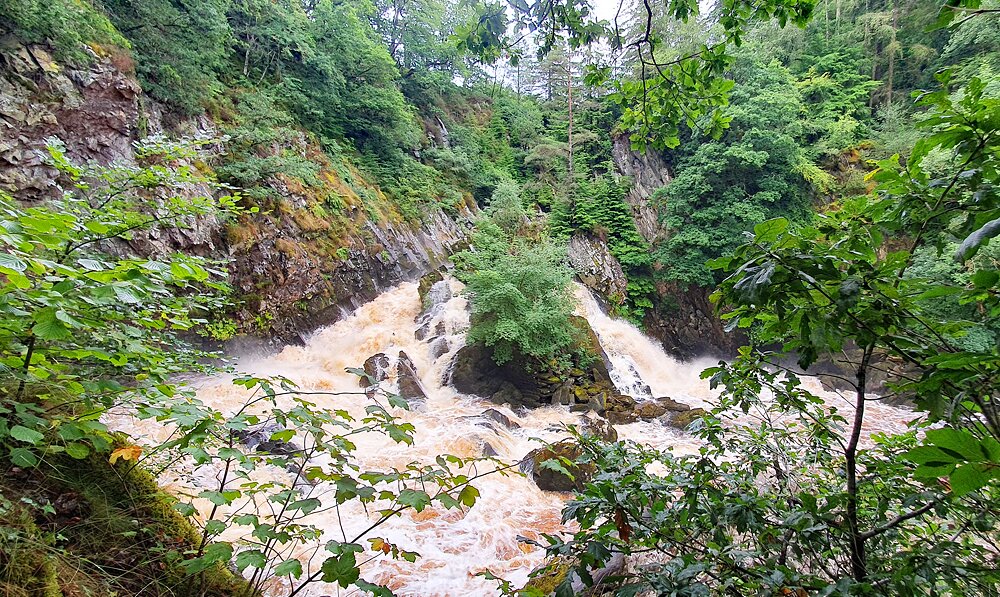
[[121, 536], [549, 579]]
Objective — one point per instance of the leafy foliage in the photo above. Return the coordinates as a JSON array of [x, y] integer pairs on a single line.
[[518, 286], [724, 187], [84, 326]]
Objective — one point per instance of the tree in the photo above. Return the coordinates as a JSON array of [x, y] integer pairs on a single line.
[[753, 172], [518, 286]]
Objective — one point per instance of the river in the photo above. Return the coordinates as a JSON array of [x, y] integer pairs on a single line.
[[455, 545]]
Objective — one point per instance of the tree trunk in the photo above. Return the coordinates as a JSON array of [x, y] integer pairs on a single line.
[[569, 95], [859, 560]]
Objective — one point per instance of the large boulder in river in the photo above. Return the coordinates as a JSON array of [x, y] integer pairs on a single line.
[[584, 386], [377, 368], [681, 420], [410, 386], [549, 479], [474, 372]]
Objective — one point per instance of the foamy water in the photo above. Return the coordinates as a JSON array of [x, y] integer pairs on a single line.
[[453, 545]]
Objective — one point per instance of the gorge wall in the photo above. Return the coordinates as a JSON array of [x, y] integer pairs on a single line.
[[682, 318], [292, 269]]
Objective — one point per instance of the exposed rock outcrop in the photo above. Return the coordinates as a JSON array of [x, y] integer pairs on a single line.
[[94, 111], [292, 269], [380, 368], [564, 454], [410, 386], [259, 438], [686, 323], [649, 171], [681, 420], [377, 368], [597, 268]]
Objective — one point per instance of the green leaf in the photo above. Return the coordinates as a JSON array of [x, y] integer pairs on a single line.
[[11, 263], [78, 450], [376, 590], [23, 434], [48, 327], [985, 278], [768, 231], [306, 506], [252, 558], [468, 495], [418, 500], [23, 457], [291, 568], [967, 478], [958, 441], [342, 569]]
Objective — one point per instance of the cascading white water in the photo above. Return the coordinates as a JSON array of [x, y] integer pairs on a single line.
[[453, 545]]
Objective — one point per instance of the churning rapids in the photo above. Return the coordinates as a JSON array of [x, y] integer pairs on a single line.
[[453, 545]]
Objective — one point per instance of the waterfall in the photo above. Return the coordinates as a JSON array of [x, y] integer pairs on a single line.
[[453, 545]]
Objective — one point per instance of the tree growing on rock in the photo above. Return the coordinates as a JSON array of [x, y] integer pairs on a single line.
[[518, 286]]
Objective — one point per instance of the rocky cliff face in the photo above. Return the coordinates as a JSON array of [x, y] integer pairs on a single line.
[[684, 320], [94, 111], [649, 171], [293, 270], [597, 268]]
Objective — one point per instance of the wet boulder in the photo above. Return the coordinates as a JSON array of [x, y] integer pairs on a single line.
[[681, 420], [601, 428], [548, 479], [377, 368], [439, 347], [410, 386], [497, 417], [620, 409], [549, 576], [672, 405], [474, 372]]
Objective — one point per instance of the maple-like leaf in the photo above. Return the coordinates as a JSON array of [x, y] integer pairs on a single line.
[[126, 453]]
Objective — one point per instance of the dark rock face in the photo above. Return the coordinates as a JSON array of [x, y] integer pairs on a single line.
[[439, 347], [494, 416], [687, 325], [838, 372], [597, 268], [380, 368], [649, 171], [377, 367], [304, 290], [94, 111], [258, 437], [474, 372], [426, 283]]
